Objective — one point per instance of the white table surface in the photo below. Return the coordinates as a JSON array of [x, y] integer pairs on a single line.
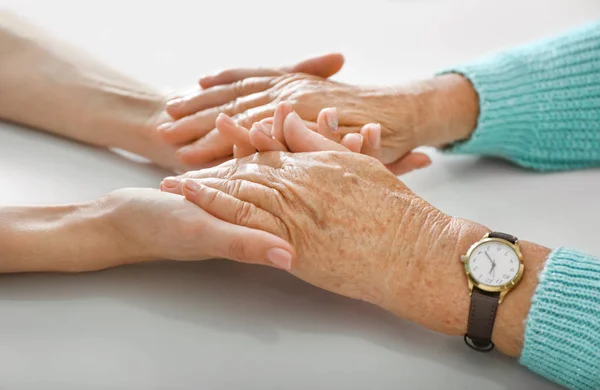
[[218, 325]]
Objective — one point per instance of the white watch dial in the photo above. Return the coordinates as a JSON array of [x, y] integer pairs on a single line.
[[493, 263]]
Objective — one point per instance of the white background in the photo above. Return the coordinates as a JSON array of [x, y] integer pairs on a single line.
[[216, 325]]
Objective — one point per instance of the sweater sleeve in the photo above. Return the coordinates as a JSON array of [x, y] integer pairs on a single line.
[[539, 103], [562, 334]]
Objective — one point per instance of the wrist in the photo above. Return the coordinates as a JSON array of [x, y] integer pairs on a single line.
[[434, 112], [427, 283], [450, 109], [67, 238]]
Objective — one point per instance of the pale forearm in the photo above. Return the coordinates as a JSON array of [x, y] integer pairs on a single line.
[[70, 238], [49, 85]]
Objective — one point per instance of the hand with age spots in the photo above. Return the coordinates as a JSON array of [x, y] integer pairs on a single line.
[[248, 96], [357, 230]]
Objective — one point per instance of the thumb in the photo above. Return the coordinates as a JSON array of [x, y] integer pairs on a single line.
[[247, 245], [323, 66], [410, 162]]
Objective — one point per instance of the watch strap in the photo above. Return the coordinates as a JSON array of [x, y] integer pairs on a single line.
[[482, 315], [507, 237]]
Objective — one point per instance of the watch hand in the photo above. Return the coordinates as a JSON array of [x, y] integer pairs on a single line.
[[488, 256]]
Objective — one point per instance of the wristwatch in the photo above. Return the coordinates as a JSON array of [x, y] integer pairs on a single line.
[[494, 266]]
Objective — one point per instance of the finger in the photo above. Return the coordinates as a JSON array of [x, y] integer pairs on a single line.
[[188, 128], [300, 138], [282, 110], [253, 115], [236, 134], [324, 66], [209, 148], [217, 96], [193, 127], [262, 140], [229, 208], [268, 122], [371, 133], [235, 237], [258, 168], [327, 123], [230, 76], [353, 142], [263, 197], [410, 162]]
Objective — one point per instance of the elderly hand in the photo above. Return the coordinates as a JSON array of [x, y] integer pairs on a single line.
[[357, 230], [432, 112], [195, 113]]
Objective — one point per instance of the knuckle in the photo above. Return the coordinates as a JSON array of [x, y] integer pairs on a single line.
[[243, 214], [239, 87], [211, 198], [231, 108], [233, 187]]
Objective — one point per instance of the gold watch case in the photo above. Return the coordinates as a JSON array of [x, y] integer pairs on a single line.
[[503, 289]]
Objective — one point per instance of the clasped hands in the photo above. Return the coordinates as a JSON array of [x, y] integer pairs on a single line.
[[337, 219], [309, 203]]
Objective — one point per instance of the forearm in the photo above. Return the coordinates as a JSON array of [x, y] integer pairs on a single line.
[[538, 104], [440, 285], [550, 319], [48, 85], [70, 238]]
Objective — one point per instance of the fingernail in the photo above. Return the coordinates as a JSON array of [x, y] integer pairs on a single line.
[[192, 185], [170, 182], [174, 102], [331, 118], [375, 135], [280, 258], [165, 126]]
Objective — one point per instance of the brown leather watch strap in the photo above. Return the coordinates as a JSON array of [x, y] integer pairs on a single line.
[[482, 315], [508, 237]]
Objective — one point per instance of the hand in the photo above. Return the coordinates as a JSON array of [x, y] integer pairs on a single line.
[[357, 230], [195, 117], [158, 225], [434, 112], [287, 132]]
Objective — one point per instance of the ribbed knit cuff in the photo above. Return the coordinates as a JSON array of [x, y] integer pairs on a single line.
[[539, 103], [562, 336]]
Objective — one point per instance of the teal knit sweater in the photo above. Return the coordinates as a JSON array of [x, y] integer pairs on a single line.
[[540, 108]]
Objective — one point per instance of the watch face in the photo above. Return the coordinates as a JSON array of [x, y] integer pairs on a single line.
[[494, 263]]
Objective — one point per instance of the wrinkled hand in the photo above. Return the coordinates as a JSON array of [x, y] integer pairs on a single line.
[[357, 230], [195, 112], [159, 225], [251, 96]]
